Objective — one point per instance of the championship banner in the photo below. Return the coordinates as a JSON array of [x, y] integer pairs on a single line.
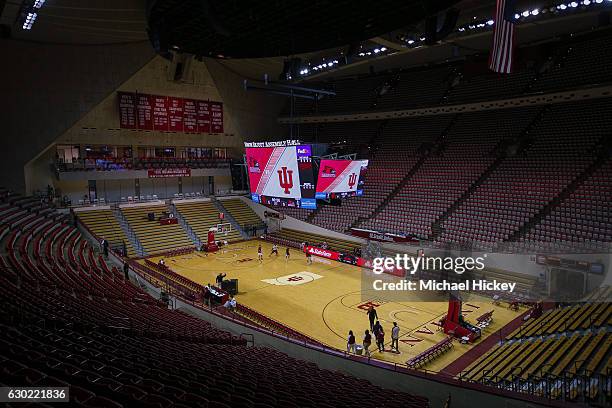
[[340, 176], [162, 173], [169, 113], [127, 110]]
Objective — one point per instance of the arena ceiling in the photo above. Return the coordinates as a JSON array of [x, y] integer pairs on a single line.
[[255, 28], [80, 22]]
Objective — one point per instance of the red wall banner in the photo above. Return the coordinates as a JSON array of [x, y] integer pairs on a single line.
[[161, 173], [216, 117], [144, 107], [169, 114], [127, 110], [190, 116], [160, 113], [175, 114]]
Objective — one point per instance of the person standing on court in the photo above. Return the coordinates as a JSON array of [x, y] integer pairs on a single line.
[[395, 337], [367, 341], [380, 338], [350, 344], [373, 316]]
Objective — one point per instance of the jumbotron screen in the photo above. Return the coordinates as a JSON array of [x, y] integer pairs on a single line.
[[340, 178], [282, 176]]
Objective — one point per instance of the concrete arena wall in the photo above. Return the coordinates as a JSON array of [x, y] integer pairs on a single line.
[[47, 88]]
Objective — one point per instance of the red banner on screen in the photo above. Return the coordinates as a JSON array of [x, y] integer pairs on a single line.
[[168, 113], [175, 114], [127, 110], [161, 173], [190, 116], [216, 117], [144, 107]]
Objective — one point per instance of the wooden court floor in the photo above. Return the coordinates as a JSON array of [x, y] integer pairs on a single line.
[[324, 300]]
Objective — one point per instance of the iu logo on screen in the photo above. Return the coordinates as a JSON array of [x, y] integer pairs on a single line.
[[285, 179], [352, 180]]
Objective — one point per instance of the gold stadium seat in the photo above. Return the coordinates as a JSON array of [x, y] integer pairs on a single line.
[[152, 236], [103, 224], [203, 215], [241, 212]]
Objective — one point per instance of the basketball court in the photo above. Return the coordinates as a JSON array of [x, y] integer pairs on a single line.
[[325, 300]]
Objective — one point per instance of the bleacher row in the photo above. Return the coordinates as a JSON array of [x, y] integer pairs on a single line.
[[153, 236], [566, 352], [201, 216], [70, 319], [103, 224]]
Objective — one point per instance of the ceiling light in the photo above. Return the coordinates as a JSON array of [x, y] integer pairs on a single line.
[[573, 4], [535, 12], [490, 22], [383, 49], [376, 50], [525, 13], [410, 42], [38, 4]]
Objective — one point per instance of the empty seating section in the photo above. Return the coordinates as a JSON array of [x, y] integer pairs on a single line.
[[295, 238], [352, 95], [241, 212], [585, 216], [584, 62], [522, 185], [490, 86], [201, 216], [109, 341], [401, 147], [466, 151], [578, 317], [533, 359], [153, 236], [563, 343], [104, 225], [571, 64], [345, 137], [416, 89]]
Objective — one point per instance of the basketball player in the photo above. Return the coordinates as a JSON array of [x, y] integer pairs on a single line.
[[259, 254], [308, 258], [287, 254], [274, 250]]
